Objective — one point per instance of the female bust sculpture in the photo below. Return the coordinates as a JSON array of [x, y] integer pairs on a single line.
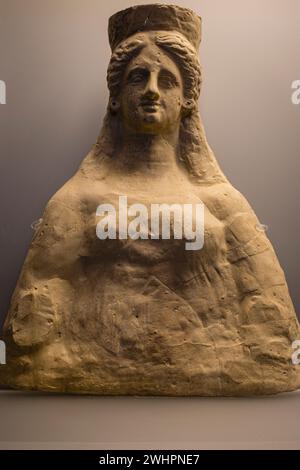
[[145, 315]]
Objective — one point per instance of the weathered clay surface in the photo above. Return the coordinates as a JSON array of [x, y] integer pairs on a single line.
[[148, 316]]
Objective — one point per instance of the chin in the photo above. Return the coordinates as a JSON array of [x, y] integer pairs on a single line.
[[152, 118]]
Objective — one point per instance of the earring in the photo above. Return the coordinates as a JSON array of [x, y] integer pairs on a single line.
[[188, 106], [114, 106]]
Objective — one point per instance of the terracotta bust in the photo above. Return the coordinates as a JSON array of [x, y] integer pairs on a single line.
[[147, 316]]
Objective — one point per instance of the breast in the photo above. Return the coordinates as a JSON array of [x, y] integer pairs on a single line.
[[144, 226]]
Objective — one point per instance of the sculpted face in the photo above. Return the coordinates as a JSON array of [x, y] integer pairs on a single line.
[[152, 96]]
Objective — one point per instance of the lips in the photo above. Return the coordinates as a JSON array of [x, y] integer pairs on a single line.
[[150, 106]]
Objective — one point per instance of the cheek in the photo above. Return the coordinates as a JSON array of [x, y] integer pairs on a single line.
[[130, 100], [173, 102]]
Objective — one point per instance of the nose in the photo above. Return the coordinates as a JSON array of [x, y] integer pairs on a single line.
[[151, 89]]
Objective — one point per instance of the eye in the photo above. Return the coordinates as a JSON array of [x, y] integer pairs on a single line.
[[167, 79], [137, 76]]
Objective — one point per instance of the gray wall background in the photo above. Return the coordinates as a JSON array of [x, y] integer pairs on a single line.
[[53, 58]]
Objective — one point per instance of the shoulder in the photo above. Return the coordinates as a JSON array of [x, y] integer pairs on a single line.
[[225, 202], [75, 199], [66, 202]]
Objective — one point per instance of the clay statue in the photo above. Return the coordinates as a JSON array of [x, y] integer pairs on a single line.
[[132, 312]]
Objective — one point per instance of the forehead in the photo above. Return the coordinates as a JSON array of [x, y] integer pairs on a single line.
[[154, 58]]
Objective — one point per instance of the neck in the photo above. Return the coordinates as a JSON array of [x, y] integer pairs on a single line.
[[148, 153]]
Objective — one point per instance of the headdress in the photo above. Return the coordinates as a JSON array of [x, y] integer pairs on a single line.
[[156, 17]]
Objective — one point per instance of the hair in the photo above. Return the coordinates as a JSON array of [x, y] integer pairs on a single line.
[[193, 150]]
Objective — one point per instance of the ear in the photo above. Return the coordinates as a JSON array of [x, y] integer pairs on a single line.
[[114, 105]]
